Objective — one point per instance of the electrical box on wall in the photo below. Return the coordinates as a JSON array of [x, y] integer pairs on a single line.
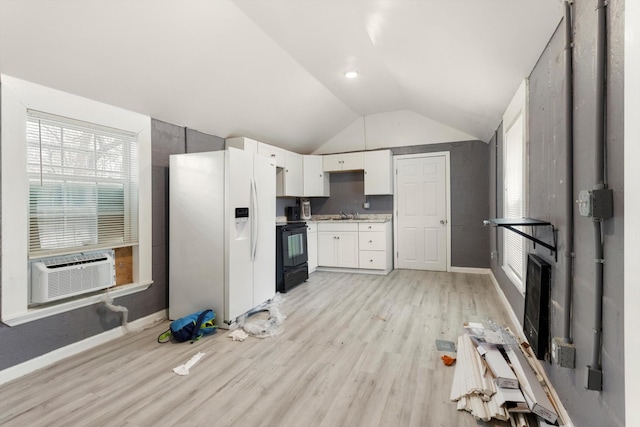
[[584, 203], [563, 353], [602, 203], [596, 203]]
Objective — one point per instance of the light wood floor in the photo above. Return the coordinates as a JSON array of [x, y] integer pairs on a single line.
[[357, 350]]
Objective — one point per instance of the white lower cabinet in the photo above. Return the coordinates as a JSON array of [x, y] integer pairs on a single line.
[[376, 246], [312, 246], [375, 260], [360, 245], [338, 245]]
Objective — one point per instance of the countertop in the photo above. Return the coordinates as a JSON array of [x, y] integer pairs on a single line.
[[338, 218], [359, 218]]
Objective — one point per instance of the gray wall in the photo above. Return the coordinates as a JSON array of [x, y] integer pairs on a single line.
[[33, 339], [347, 195], [469, 195], [547, 194]]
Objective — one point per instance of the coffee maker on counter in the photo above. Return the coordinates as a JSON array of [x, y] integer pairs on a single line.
[[305, 209], [301, 211], [292, 213]]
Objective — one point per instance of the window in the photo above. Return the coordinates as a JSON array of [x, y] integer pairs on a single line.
[[76, 177], [83, 185], [515, 192]]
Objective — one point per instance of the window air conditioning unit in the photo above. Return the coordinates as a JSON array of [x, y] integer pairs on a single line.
[[62, 277]]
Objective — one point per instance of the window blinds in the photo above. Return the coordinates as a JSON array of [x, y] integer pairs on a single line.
[[83, 185], [514, 198]]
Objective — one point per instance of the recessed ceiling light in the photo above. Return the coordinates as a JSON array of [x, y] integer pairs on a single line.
[[351, 74]]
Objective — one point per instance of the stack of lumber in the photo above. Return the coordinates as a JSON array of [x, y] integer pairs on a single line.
[[473, 385], [489, 385]]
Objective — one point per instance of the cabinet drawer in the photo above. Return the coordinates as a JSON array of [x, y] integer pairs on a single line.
[[375, 260], [337, 226], [372, 240], [372, 226]]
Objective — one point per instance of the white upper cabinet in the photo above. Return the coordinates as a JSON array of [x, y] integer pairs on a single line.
[[242, 143], [378, 172], [316, 181], [276, 154], [289, 180], [343, 162]]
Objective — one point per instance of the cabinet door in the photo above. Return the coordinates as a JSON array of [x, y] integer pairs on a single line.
[[293, 174], [347, 252], [316, 181], [274, 153], [332, 163], [378, 172], [327, 249], [352, 161], [312, 246]]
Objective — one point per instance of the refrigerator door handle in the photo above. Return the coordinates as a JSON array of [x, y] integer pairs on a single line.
[[255, 221]]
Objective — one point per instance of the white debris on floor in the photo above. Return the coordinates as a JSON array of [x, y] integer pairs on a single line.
[[238, 335], [265, 320], [473, 385], [494, 380], [184, 369]]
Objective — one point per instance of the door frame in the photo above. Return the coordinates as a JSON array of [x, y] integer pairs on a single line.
[[447, 180]]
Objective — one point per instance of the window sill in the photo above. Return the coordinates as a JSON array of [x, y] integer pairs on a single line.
[[42, 312]]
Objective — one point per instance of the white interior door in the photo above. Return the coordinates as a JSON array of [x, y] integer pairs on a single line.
[[422, 213]]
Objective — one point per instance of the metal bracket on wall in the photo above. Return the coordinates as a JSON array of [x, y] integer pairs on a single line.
[[510, 223]]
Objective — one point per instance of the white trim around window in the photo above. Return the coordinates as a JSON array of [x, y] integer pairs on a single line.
[[515, 184], [18, 96]]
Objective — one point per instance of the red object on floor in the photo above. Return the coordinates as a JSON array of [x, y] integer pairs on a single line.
[[448, 360]]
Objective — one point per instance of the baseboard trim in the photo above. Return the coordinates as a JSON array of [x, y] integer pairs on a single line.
[[505, 302], [355, 270], [47, 359], [470, 270], [564, 415]]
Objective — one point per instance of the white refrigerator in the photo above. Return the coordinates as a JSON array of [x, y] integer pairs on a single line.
[[221, 233]]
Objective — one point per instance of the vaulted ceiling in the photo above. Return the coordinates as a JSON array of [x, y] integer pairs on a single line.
[[274, 69]]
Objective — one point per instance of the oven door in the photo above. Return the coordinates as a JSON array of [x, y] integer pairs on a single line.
[[294, 247]]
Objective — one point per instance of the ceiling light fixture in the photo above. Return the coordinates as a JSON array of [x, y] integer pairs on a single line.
[[351, 74]]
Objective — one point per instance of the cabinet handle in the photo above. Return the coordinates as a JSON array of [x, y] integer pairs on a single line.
[[273, 155], [286, 170], [370, 260], [370, 241], [369, 227]]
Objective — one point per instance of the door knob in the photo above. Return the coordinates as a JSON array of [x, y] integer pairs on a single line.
[[443, 221]]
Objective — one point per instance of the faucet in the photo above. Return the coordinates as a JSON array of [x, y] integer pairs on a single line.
[[355, 215], [344, 215]]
